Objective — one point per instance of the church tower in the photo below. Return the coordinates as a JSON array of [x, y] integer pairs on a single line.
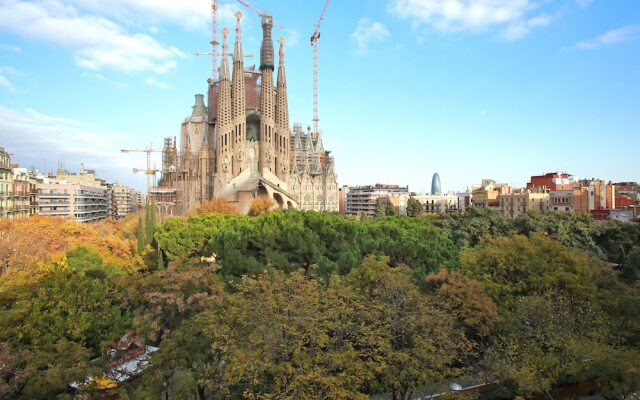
[[224, 123], [239, 99], [283, 133], [267, 133]]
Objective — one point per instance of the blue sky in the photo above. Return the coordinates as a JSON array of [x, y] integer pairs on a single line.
[[470, 89]]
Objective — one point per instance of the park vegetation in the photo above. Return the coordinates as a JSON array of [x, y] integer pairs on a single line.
[[304, 305]]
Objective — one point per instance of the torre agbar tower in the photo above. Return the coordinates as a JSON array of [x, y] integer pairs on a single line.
[[254, 151]]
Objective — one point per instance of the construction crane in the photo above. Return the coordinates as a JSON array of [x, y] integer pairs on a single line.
[[314, 44], [214, 41], [149, 171], [260, 13]]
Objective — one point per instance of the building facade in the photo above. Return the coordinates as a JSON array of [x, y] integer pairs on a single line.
[[363, 200], [487, 195], [20, 194], [438, 203], [241, 146], [72, 201], [552, 181], [519, 202], [5, 183], [125, 200]]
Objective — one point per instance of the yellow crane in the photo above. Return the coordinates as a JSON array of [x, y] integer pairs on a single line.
[[149, 171], [314, 44]]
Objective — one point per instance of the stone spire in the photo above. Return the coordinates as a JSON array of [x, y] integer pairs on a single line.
[[282, 109], [268, 134], [266, 49], [283, 135], [237, 50], [238, 87], [224, 65], [223, 116], [224, 119]]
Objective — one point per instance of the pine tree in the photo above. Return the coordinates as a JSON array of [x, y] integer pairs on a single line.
[[150, 221], [140, 235]]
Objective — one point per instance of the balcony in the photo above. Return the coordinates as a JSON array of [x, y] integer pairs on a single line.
[[52, 195]]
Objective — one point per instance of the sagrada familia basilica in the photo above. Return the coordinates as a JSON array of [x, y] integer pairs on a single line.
[[241, 146]]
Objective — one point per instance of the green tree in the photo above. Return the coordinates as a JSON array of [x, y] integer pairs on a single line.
[[419, 343], [63, 322], [294, 349], [163, 299], [472, 227], [72, 306], [630, 272], [150, 221], [414, 207], [518, 266], [140, 236], [199, 356], [549, 340]]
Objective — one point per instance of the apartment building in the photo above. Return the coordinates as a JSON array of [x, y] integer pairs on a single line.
[[521, 201], [5, 183], [125, 200], [487, 195], [438, 203], [363, 199], [72, 201]]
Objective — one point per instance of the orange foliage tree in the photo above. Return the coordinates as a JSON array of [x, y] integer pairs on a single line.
[[29, 243], [260, 205], [219, 205]]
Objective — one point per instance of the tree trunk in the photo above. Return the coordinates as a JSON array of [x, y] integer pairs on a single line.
[[201, 393]]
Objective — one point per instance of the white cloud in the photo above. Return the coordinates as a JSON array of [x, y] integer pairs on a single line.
[[367, 32], [154, 82], [583, 3], [293, 39], [119, 85], [5, 83], [34, 137], [10, 47], [96, 42], [513, 17], [519, 29], [192, 14], [611, 37]]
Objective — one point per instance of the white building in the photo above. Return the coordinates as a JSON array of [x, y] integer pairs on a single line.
[[72, 201]]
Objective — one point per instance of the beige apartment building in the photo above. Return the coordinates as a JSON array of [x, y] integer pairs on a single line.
[[5, 183], [21, 194], [521, 201], [488, 194], [125, 200], [433, 203]]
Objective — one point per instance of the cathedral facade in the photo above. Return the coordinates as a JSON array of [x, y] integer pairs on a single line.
[[241, 146]]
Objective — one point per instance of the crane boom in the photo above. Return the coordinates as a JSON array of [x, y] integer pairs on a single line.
[[150, 172], [314, 44], [257, 11], [214, 41]]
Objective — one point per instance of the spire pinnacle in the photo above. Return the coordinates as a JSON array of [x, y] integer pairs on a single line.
[[237, 50], [281, 51], [224, 69], [238, 15], [225, 35]]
